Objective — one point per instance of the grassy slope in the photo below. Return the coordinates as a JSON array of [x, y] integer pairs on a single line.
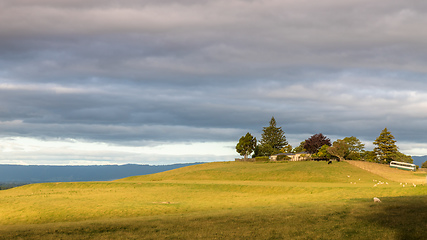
[[391, 173], [284, 172], [234, 195]]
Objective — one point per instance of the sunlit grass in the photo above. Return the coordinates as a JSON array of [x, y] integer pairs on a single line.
[[228, 199]]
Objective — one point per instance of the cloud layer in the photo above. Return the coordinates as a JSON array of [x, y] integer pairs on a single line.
[[134, 73]]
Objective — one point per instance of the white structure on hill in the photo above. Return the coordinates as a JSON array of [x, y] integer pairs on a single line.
[[301, 156]]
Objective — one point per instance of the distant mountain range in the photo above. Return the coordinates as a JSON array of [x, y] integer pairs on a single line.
[[42, 173], [419, 160]]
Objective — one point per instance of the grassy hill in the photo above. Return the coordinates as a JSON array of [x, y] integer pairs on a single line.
[[283, 172], [222, 200]]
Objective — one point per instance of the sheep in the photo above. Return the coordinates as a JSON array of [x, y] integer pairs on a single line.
[[376, 199]]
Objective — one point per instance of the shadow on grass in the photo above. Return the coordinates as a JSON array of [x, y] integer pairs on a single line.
[[394, 218], [405, 216]]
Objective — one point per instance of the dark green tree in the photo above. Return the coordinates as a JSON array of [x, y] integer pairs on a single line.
[[315, 142], [274, 137], [424, 165], [263, 150], [386, 147], [246, 145]]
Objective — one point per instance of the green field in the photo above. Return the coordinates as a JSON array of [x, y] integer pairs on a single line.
[[224, 200]]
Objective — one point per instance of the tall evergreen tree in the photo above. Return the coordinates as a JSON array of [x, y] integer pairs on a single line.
[[274, 137], [386, 147]]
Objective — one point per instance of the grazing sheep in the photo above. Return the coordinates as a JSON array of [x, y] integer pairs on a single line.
[[376, 199]]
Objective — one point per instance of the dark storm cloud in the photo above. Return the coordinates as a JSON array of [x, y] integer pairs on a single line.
[[123, 71]]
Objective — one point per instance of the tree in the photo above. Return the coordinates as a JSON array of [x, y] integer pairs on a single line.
[[400, 157], [369, 156], [354, 144], [263, 150], [347, 148], [424, 164], [300, 148], [339, 149], [315, 142], [355, 148], [274, 137], [323, 153], [287, 149], [386, 147], [246, 145]]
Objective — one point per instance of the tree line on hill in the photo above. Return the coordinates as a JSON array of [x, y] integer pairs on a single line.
[[273, 141]]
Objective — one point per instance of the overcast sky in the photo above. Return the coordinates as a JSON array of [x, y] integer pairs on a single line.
[[162, 81]]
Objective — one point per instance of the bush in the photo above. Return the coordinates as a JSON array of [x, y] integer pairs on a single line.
[[261, 159]]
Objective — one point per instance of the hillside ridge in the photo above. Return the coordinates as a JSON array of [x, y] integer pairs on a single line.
[[338, 172]]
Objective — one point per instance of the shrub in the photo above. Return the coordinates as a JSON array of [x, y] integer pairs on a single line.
[[261, 159]]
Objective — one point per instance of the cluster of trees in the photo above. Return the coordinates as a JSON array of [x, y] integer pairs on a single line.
[[273, 141]]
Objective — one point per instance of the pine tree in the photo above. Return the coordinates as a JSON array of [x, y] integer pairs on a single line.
[[274, 137], [386, 147]]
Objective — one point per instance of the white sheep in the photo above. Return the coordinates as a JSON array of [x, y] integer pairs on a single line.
[[376, 199]]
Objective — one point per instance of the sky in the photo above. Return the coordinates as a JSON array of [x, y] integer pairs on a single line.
[[158, 81]]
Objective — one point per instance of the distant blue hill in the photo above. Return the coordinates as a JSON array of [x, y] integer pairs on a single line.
[[39, 174], [419, 160]]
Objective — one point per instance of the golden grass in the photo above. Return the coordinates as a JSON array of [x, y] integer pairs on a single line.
[[215, 200], [392, 174]]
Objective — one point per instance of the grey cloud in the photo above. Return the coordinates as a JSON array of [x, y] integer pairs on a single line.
[[124, 71]]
